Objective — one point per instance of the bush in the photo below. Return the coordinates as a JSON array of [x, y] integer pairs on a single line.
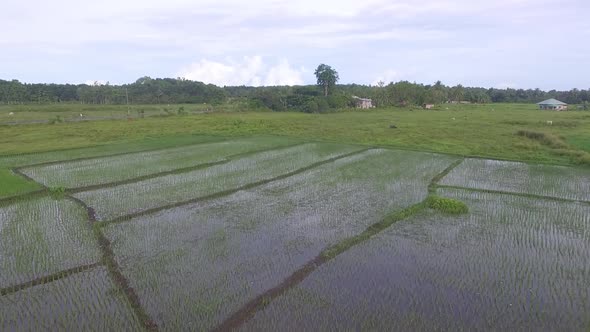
[[340, 101], [57, 192], [322, 103], [57, 119], [311, 107], [447, 205], [543, 138]]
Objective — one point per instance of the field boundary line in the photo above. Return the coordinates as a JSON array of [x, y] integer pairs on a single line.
[[223, 193], [23, 197], [89, 210], [181, 170], [434, 183], [48, 278], [221, 139], [248, 310], [500, 192], [117, 276], [45, 189], [65, 161], [18, 172], [27, 195], [114, 270]]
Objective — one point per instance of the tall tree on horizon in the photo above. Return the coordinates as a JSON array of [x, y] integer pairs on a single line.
[[327, 77]]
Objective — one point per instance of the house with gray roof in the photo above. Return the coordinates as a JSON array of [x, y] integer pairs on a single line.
[[552, 104]]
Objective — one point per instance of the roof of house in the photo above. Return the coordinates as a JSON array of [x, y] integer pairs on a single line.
[[551, 102], [361, 99]]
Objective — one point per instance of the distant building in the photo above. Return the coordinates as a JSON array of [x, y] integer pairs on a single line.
[[363, 102], [552, 104], [428, 106]]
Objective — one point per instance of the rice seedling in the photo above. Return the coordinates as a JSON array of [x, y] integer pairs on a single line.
[[512, 262], [194, 245], [13, 184], [89, 172], [177, 188], [40, 237], [86, 301], [504, 176], [194, 265]]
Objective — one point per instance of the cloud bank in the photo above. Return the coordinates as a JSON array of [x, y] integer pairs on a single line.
[[470, 42], [250, 71]]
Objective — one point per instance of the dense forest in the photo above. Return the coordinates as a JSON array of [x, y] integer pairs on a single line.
[[308, 98]]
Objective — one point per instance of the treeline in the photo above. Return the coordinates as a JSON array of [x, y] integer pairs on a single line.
[[407, 93], [145, 90], [308, 98]]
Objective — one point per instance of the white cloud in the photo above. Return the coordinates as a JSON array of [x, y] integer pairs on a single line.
[[283, 74], [250, 71], [443, 39], [387, 77]]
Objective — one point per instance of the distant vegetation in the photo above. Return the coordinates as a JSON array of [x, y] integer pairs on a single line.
[[323, 97]]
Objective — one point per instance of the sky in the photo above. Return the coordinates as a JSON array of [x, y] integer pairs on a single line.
[[500, 43]]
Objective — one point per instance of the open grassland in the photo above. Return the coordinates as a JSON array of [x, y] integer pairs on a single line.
[[57, 113], [499, 131], [512, 263], [472, 130]]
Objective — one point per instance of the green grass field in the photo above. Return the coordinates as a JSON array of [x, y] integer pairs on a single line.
[[70, 112], [489, 131]]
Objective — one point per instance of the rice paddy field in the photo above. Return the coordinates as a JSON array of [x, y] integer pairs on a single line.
[[276, 233]]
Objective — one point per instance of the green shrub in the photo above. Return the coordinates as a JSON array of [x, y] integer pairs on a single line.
[[311, 107], [340, 101], [322, 103], [57, 192], [57, 119], [447, 205]]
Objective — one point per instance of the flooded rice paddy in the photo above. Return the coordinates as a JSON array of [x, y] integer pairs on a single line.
[[505, 176], [271, 234], [87, 301], [512, 263]]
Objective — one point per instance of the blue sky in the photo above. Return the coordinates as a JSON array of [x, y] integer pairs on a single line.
[[500, 43]]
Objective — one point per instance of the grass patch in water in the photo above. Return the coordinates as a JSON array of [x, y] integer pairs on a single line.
[[447, 205], [57, 192]]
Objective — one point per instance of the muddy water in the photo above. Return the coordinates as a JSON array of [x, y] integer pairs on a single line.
[[513, 263]]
